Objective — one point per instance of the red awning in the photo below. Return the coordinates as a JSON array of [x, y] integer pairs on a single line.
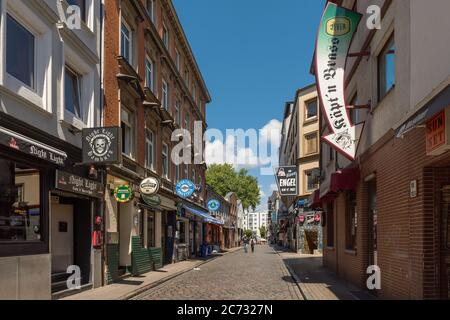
[[342, 180], [314, 200]]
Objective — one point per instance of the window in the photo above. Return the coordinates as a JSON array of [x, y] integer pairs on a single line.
[[151, 229], [187, 122], [126, 44], [81, 4], [149, 74], [165, 161], [386, 69], [72, 92], [330, 224], [20, 52], [127, 125], [165, 37], [151, 9], [177, 173], [177, 113], [177, 59], [351, 221], [20, 203], [194, 92], [149, 149], [311, 143], [186, 77], [310, 181], [165, 95], [311, 109]]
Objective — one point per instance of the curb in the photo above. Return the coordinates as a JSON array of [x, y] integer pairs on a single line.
[[163, 280], [297, 280]]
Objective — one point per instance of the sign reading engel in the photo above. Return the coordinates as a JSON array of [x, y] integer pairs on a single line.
[[101, 145], [287, 181], [333, 43]]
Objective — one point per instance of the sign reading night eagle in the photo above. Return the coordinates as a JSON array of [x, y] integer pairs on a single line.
[[333, 43]]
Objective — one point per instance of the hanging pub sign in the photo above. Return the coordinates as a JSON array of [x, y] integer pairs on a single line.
[[102, 145], [287, 180], [335, 36], [151, 200], [149, 186], [213, 205], [185, 188], [123, 194], [75, 184]]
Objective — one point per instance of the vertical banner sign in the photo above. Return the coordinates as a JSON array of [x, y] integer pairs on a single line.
[[334, 38], [287, 181]]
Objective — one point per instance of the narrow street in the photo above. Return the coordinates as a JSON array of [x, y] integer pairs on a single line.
[[236, 276]]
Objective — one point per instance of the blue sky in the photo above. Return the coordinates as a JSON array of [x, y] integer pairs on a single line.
[[254, 55]]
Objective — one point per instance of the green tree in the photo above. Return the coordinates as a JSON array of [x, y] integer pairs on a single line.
[[263, 232], [248, 233], [224, 179]]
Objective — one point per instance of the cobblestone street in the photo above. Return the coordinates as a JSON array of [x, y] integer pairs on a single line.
[[236, 276]]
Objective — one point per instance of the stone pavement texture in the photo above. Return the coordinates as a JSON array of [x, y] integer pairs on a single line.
[[317, 282], [237, 276], [130, 286]]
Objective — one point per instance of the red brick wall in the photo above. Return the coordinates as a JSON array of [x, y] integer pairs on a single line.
[[407, 228]]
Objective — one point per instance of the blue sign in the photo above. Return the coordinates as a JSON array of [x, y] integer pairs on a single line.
[[185, 188], [213, 205]]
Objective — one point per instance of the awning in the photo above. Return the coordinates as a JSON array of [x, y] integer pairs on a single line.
[[439, 103], [342, 180], [203, 214], [32, 147]]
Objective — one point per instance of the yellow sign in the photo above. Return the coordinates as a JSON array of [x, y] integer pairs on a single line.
[[338, 26]]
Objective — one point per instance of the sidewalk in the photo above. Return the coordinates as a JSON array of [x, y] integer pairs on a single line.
[[317, 282], [127, 288]]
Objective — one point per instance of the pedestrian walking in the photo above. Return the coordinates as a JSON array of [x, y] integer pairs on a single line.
[[246, 241], [253, 245]]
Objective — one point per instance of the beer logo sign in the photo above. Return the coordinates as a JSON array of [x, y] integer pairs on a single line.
[[338, 26], [149, 186]]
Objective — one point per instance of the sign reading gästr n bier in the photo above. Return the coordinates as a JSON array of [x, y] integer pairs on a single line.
[[333, 43]]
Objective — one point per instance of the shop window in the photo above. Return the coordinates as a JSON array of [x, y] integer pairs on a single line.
[[128, 136], [330, 224], [311, 109], [72, 92], [20, 202], [386, 69], [20, 52], [151, 229], [351, 223]]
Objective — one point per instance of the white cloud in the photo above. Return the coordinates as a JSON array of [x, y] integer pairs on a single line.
[[271, 132]]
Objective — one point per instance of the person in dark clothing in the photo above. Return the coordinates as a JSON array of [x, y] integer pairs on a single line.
[[253, 245], [246, 241]]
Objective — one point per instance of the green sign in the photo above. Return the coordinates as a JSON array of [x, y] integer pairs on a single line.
[[123, 194], [151, 200]]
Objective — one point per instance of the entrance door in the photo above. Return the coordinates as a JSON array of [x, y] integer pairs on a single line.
[[445, 244], [62, 237], [373, 222]]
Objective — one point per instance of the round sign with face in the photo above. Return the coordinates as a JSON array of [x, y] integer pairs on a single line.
[[149, 186], [213, 205], [185, 188]]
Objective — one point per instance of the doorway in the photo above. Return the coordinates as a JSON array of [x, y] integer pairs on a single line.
[[445, 244], [62, 242]]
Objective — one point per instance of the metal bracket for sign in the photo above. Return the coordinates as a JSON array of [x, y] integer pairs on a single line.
[[360, 106], [359, 54]]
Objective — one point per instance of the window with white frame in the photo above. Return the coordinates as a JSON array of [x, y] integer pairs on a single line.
[[20, 52], [311, 109], [149, 149], [165, 37], [126, 42], [386, 69], [178, 112], [149, 73], [165, 95], [165, 161], [177, 59], [151, 10], [128, 135], [72, 92]]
